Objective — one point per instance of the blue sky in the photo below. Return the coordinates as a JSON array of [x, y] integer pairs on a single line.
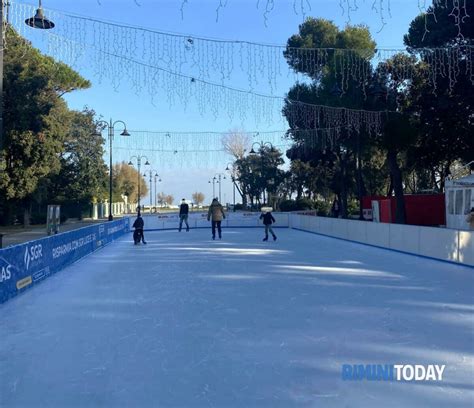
[[239, 20]]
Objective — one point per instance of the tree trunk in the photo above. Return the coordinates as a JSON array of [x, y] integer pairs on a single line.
[[390, 187], [396, 174], [343, 188], [444, 175], [26, 213]]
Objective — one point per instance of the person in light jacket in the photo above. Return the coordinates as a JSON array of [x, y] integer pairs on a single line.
[[216, 215]]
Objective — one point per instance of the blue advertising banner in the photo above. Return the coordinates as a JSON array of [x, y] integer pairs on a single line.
[[23, 265]]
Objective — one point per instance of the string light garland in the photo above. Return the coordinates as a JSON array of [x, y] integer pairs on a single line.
[[209, 97], [171, 149], [459, 12], [382, 8], [262, 65]]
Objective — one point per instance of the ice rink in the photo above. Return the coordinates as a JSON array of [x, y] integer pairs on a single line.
[[189, 322]]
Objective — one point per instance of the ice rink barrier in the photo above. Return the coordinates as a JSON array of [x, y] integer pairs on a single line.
[[170, 221], [26, 264], [443, 244]]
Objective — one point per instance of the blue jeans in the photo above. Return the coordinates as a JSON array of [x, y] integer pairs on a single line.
[[184, 218]]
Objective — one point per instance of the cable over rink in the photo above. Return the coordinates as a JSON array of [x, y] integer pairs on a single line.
[[178, 150]]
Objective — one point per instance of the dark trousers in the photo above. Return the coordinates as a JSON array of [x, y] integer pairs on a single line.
[[219, 230], [138, 235]]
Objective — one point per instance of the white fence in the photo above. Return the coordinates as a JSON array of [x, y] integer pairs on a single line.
[[439, 243], [101, 210], [199, 220]]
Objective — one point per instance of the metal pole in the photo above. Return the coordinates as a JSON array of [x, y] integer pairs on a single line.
[[138, 162], [263, 185], [220, 182], [233, 181], [151, 192], [111, 135], [155, 193], [213, 188]]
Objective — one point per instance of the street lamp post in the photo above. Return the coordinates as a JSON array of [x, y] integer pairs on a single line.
[[261, 145], [38, 21], [139, 165], [219, 177], [213, 187], [151, 171], [157, 178], [231, 170], [111, 127]]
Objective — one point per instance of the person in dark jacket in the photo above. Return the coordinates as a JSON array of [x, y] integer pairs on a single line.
[[138, 235], [216, 215], [183, 215], [268, 220]]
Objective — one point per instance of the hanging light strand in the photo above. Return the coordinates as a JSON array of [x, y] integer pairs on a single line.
[[203, 149], [209, 58]]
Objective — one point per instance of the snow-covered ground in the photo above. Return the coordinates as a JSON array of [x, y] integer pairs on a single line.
[[190, 322]]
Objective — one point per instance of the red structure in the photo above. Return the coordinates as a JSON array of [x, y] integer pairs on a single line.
[[421, 209]]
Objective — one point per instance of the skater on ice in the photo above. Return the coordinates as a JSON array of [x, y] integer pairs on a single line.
[[138, 235], [268, 220], [216, 215], [183, 215]]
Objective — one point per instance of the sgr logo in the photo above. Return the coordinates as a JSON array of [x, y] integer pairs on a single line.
[[5, 270], [32, 253]]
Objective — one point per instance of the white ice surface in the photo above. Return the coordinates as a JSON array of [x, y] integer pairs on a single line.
[[188, 322]]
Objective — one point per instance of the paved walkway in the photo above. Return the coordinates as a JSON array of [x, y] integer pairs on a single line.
[[17, 234]]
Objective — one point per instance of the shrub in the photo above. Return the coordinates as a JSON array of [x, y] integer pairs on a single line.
[[302, 204]]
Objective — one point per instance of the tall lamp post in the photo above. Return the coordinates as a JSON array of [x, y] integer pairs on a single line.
[[150, 172], [157, 179], [139, 159], [231, 170], [261, 146], [38, 21], [219, 177], [111, 127], [213, 181]]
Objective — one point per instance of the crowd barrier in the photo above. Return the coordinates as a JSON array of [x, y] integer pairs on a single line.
[[438, 243], [24, 265], [199, 220]]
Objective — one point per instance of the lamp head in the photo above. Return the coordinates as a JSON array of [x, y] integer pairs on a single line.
[[39, 20]]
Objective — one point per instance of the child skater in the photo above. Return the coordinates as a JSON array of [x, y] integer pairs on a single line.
[[138, 233], [268, 220]]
